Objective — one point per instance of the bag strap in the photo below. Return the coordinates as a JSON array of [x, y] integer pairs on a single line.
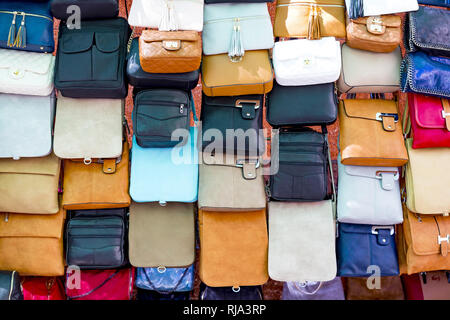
[[306, 292], [406, 121], [165, 292], [94, 289], [330, 164]]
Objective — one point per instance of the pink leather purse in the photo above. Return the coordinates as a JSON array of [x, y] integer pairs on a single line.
[[43, 288]]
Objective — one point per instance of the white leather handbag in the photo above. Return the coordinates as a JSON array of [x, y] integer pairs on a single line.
[[369, 195], [379, 7], [167, 15], [26, 124], [28, 73], [306, 62]]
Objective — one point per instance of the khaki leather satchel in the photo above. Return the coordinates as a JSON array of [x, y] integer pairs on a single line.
[[371, 133], [32, 244], [390, 289], [98, 184], [170, 51], [29, 185], [233, 248]]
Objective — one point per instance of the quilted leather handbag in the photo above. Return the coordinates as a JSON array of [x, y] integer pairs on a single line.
[[237, 119], [302, 241], [306, 62], [369, 195], [440, 3], [80, 176], [29, 185], [313, 290], [28, 73], [101, 285], [173, 176], [162, 236], [252, 75], [10, 286], [367, 8], [170, 51], [301, 105], [310, 18], [427, 286], [32, 244], [26, 25], [377, 34], [390, 289], [138, 78], [236, 28], [369, 72], [95, 239], [167, 15], [426, 30], [90, 62], [227, 293], [360, 246], [166, 280], [230, 261], [88, 128], [43, 288], [89, 9], [370, 133], [421, 73], [26, 124]]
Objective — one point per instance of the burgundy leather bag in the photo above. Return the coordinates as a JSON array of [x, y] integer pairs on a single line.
[[43, 288], [427, 286]]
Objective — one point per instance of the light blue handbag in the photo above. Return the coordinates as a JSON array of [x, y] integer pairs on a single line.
[[166, 280]]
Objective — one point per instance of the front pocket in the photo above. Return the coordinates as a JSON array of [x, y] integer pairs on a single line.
[[104, 251], [75, 57], [105, 56]]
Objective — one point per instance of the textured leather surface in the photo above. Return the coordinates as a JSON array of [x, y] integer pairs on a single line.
[[328, 290], [167, 280], [442, 3], [390, 289], [227, 293], [10, 286], [89, 9]]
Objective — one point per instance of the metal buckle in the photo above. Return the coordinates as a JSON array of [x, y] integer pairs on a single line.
[[378, 174], [101, 160], [443, 239], [236, 289], [381, 115], [239, 103], [161, 269], [172, 45], [375, 228], [445, 114], [240, 162], [375, 25]]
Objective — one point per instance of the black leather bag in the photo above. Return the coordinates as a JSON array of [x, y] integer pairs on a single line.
[[302, 105], [153, 295], [302, 156], [228, 293], [91, 61], [141, 79], [157, 113], [96, 239], [10, 286], [234, 113], [89, 9]]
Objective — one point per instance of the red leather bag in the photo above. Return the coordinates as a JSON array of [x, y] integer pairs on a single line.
[[427, 286], [430, 121], [43, 288], [101, 285]]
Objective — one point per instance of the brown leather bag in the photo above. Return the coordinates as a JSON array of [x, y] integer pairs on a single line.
[[377, 34], [170, 51], [390, 289]]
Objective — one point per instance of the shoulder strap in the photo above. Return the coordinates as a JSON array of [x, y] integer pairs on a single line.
[[330, 164], [94, 289]]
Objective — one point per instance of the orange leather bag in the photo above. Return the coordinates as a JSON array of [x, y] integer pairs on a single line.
[[234, 248], [170, 51]]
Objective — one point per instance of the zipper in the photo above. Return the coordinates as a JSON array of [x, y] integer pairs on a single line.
[[16, 13], [234, 19], [305, 4]]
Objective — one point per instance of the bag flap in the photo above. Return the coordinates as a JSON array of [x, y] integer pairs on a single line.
[[149, 36], [162, 112], [429, 28], [368, 108], [15, 60], [107, 41], [324, 48], [40, 166], [232, 101], [75, 42], [318, 2], [428, 111], [162, 95], [369, 172], [390, 21], [355, 228]]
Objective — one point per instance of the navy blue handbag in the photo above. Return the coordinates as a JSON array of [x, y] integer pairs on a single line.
[[360, 246], [165, 280], [440, 3], [153, 295], [26, 25]]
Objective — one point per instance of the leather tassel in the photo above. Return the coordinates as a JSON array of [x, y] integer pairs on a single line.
[[314, 24], [21, 38], [236, 51], [168, 18], [356, 9], [12, 32]]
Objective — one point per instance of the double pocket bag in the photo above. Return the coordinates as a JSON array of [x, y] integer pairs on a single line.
[[165, 280], [10, 286], [89, 9]]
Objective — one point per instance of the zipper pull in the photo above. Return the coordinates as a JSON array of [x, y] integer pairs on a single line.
[[424, 277], [181, 108], [12, 31]]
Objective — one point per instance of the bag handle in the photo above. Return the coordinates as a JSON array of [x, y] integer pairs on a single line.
[[165, 292], [299, 288], [94, 289], [330, 165]]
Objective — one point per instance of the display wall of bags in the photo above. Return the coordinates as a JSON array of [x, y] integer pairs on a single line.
[[89, 9], [10, 286]]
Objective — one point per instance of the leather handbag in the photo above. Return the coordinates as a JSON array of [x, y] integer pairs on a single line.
[[302, 241], [90, 62], [43, 288], [369, 195], [430, 121], [138, 78], [143, 294], [301, 105], [425, 30], [170, 51], [157, 113], [162, 236], [313, 290], [167, 15], [173, 175], [427, 286], [370, 133], [360, 246], [237, 119], [26, 25], [101, 285], [310, 18], [252, 75], [95, 239], [306, 62], [369, 72], [241, 177], [426, 179], [166, 280], [377, 34], [80, 176], [88, 128], [227, 260], [32, 244], [425, 74], [250, 293], [390, 289], [440, 3], [89, 9], [27, 73], [10, 286], [29, 185], [26, 125], [367, 8], [236, 28]]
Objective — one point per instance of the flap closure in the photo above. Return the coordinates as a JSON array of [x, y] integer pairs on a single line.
[[39, 166], [107, 41], [384, 111], [76, 42], [446, 113], [388, 179], [109, 166], [431, 112], [149, 36], [248, 165], [248, 108], [384, 234], [247, 104], [380, 231], [378, 24], [17, 64]]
